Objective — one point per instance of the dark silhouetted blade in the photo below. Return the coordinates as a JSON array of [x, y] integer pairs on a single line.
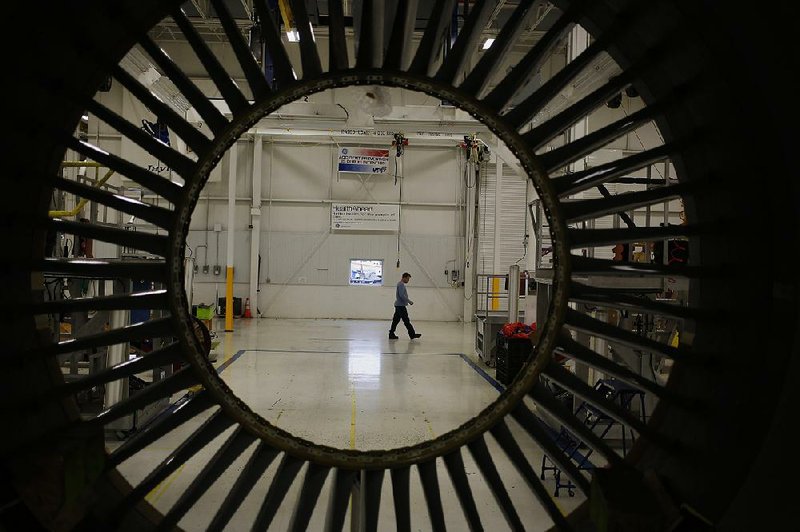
[[312, 486], [200, 438], [339, 498], [586, 265], [309, 56], [568, 153], [547, 401], [159, 216], [505, 90], [540, 135], [468, 38], [401, 493], [366, 54], [431, 40], [510, 446], [158, 328], [583, 238], [620, 298], [572, 349], [583, 322], [156, 299], [163, 424], [165, 356], [198, 142], [222, 80], [430, 487], [605, 173], [480, 453], [165, 188], [536, 429], [455, 468], [210, 114], [570, 382], [576, 211], [283, 71], [166, 387], [235, 445], [533, 104], [255, 77], [255, 467], [492, 58], [155, 244], [150, 270], [398, 52], [287, 471], [160, 389], [373, 483], [175, 160], [337, 43]]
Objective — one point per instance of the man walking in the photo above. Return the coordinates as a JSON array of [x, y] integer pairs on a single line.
[[400, 311]]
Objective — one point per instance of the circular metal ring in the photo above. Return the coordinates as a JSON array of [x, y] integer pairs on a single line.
[[452, 440]]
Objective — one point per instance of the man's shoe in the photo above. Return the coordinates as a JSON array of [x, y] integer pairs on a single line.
[[417, 335], [393, 336]]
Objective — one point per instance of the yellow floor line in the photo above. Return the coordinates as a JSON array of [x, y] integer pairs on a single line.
[[352, 417], [352, 431], [152, 497], [228, 349], [430, 428], [560, 509]]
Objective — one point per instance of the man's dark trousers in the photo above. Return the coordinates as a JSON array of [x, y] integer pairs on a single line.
[[401, 313]]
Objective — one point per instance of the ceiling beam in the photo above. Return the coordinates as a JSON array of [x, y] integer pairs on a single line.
[[203, 7], [248, 8]]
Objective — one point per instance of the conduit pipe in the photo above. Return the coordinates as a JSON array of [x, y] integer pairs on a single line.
[[255, 223], [232, 161]]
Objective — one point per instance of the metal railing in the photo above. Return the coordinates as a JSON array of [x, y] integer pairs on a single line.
[[493, 295]]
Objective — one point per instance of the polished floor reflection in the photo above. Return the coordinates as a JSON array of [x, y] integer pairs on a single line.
[[344, 383]]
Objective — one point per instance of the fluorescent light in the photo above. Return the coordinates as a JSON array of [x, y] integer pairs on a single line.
[[85, 117], [293, 36], [488, 43]]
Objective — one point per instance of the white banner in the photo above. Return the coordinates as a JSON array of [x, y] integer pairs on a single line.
[[365, 217], [364, 160]]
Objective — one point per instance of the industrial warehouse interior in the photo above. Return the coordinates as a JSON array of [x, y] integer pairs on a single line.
[[402, 265]]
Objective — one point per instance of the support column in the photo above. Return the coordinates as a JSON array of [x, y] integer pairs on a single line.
[[578, 42], [513, 293], [498, 193], [498, 213], [232, 160], [117, 391], [470, 244], [188, 280], [255, 224]]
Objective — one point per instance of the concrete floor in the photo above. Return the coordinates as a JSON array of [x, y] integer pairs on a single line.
[[343, 383]]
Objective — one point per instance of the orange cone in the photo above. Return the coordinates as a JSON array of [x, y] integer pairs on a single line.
[[247, 309]]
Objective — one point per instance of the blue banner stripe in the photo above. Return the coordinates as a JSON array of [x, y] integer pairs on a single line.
[[351, 167]]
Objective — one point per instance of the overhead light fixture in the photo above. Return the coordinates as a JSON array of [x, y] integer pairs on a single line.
[[293, 36], [488, 43]]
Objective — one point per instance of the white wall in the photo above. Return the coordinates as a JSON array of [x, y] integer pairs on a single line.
[[305, 265], [304, 271], [298, 182]]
